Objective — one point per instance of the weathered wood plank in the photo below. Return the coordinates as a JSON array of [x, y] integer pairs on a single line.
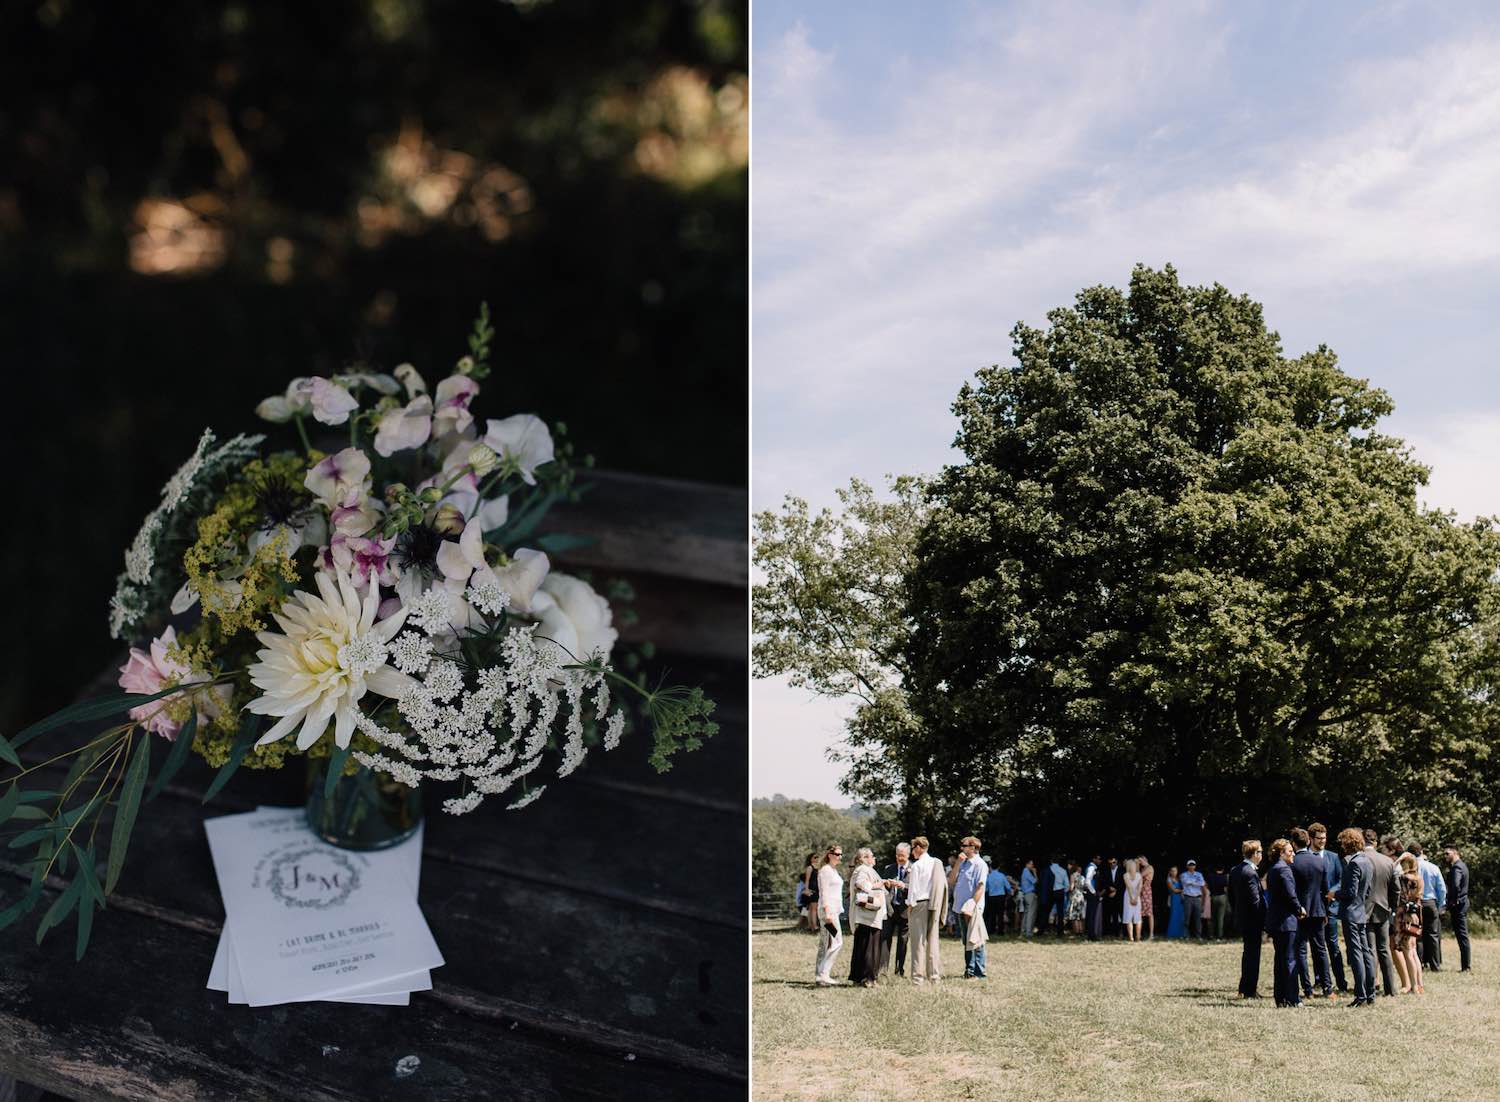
[[134, 1034], [688, 530]]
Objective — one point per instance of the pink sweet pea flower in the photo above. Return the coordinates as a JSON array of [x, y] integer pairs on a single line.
[[152, 671], [407, 427], [340, 480], [452, 405], [364, 560], [331, 403]]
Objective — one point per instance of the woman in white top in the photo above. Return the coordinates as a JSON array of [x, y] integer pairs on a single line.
[[830, 910], [866, 914], [1130, 912]]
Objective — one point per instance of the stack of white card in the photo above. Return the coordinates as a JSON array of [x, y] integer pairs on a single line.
[[306, 921]]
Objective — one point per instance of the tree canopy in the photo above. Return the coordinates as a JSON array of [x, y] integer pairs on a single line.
[[1181, 585]]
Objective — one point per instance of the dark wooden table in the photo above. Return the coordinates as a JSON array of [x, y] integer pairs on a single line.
[[596, 941]]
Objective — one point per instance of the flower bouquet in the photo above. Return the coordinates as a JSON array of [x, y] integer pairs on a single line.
[[383, 609]]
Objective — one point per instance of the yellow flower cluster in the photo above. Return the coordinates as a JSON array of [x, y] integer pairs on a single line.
[[262, 582]]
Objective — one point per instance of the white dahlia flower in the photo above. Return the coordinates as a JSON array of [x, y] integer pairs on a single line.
[[331, 653]]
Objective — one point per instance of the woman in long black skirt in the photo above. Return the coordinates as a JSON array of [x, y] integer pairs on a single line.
[[866, 915]]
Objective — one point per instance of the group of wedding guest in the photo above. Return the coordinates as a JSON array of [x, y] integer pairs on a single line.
[[900, 909], [1387, 897], [1385, 894]]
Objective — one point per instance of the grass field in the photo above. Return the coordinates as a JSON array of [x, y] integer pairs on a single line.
[[1112, 1021]]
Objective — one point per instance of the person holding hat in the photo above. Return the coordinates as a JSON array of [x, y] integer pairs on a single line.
[[1193, 885]]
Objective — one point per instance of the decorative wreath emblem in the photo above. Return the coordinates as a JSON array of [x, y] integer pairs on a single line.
[[286, 879]]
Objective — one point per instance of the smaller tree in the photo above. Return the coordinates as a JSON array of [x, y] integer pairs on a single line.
[[830, 615], [783, 832]]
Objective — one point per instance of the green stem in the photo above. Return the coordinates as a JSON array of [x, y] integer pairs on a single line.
[[494, 478], [302, 432]]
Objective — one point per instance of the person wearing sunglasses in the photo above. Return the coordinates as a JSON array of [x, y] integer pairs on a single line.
[[830, 911]]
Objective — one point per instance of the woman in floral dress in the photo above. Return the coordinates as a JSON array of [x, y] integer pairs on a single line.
[[1147, 872], [1076, 905]]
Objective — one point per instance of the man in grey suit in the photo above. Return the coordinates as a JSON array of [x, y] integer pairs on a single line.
[[1383, 899], [1353, 900]]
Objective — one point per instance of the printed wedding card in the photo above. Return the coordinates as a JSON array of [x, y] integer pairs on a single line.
[[306, 920]]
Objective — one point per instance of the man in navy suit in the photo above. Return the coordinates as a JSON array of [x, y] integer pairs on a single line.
[[1310, 875], [1249, 915], [1354, 914], [1283, 912], [1458, 902], [1333, 865]]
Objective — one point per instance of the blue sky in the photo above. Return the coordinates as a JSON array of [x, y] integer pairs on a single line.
[[926, 175]]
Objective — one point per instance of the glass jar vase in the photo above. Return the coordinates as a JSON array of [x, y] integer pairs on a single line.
[[366, 810]]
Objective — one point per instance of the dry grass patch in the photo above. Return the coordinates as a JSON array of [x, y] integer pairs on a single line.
[[1109, 1021]]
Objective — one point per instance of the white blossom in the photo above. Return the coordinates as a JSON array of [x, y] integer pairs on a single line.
[[530, 797], [432, 610], [411, 653], [488, 597], [491, 727]]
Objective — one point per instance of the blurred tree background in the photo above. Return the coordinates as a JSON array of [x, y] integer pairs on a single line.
[[200, 200]]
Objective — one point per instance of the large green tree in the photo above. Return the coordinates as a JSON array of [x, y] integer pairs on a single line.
[[1180, 586]]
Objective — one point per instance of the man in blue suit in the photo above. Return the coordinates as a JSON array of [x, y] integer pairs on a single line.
[[1283, 912], [1333, 866], [1249, 915], [1310, 875], [1354, 900]]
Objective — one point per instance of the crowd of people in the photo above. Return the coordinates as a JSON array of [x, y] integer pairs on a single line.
[[1385, 894]]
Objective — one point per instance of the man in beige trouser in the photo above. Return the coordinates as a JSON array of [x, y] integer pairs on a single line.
[[927, 894]]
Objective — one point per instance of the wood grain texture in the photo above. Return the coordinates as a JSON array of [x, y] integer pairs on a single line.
[[595, 941]]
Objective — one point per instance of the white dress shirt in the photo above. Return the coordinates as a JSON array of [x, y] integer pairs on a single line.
[[919, 879]]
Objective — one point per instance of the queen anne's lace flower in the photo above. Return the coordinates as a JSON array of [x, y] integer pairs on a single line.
[[432, 610], [411, 653], [491, 730], [444, 681], [530, 797], [364, 654], [488, 597]]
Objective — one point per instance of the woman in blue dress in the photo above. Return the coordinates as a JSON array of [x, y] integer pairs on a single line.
[[1176, 923]]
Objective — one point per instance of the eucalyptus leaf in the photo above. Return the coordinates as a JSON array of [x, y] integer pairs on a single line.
[[60, 909], [249, 732], [22, 906], [7, 753], [130, 803], [10, 801], [525, 521], [336, 762], [38, 834], [558, 542], [89, 870], [178, 754], [98, 707], [85, 926]]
